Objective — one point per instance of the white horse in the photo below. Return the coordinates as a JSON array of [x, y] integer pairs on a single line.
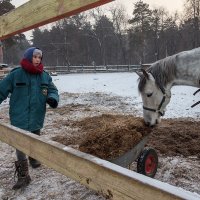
[[155, 83]]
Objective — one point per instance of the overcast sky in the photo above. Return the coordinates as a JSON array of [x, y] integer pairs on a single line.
[[170, 5]]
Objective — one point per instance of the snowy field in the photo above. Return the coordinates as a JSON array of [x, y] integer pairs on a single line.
[[101, 93], [125, 85]]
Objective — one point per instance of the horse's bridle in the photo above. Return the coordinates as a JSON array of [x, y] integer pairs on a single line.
[[160, 105]]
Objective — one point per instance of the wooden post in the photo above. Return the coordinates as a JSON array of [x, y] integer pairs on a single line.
[[36, 13]]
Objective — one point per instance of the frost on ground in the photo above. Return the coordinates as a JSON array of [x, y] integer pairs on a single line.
[[177, 169]]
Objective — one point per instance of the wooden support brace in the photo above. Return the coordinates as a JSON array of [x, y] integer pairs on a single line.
[[111, 180], [36, 13]]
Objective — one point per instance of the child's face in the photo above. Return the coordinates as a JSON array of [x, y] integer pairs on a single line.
[[36, 60]]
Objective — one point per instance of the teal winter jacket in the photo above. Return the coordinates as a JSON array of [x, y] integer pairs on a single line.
[[28, 96]]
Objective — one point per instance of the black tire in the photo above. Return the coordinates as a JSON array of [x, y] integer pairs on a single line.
[[147, 163]]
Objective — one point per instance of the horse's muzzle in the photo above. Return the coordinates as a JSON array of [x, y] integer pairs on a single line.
[[152, 125]]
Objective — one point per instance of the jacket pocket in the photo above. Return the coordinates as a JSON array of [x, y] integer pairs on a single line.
[[21, 89], [20, 84]]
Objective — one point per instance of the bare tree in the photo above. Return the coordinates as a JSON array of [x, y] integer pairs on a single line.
[[120, 22], [192, 11]]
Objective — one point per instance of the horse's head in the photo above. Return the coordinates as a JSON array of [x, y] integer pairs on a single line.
[[154, 97]]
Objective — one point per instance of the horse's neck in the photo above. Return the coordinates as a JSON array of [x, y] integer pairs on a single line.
[[183, 77], [186, 77], [188, 68]]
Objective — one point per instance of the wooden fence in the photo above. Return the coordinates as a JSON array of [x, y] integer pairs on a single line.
[[111, 180], [92, 69], [36, 13]]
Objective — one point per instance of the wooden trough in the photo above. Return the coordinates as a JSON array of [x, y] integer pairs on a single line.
[[111, 180]]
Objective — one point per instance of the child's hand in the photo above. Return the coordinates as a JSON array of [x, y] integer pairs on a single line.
[[52, 102]]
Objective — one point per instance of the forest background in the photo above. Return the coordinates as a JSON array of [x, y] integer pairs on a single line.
[[96, 37]]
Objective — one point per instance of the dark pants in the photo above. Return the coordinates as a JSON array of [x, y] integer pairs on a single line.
[[20, 155]]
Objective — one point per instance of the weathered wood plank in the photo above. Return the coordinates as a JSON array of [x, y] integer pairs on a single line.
[[111, 180], [36, 13]]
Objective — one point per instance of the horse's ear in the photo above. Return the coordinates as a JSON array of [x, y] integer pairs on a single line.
[[139, 73], [146, 75]]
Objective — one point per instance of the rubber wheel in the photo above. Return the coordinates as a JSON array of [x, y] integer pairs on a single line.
[[147, 163]]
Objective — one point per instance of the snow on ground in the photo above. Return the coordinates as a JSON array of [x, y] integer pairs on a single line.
[[125, 85], [88, 95]]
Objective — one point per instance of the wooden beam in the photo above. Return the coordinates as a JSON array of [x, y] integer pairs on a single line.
[[111, 180], [36, 13]]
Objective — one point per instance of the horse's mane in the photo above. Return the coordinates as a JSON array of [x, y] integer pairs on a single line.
[[163, 71]]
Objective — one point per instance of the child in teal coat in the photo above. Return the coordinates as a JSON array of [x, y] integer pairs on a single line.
[[30, 88]]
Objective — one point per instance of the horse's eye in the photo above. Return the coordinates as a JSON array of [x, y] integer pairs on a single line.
[[149, 95]]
